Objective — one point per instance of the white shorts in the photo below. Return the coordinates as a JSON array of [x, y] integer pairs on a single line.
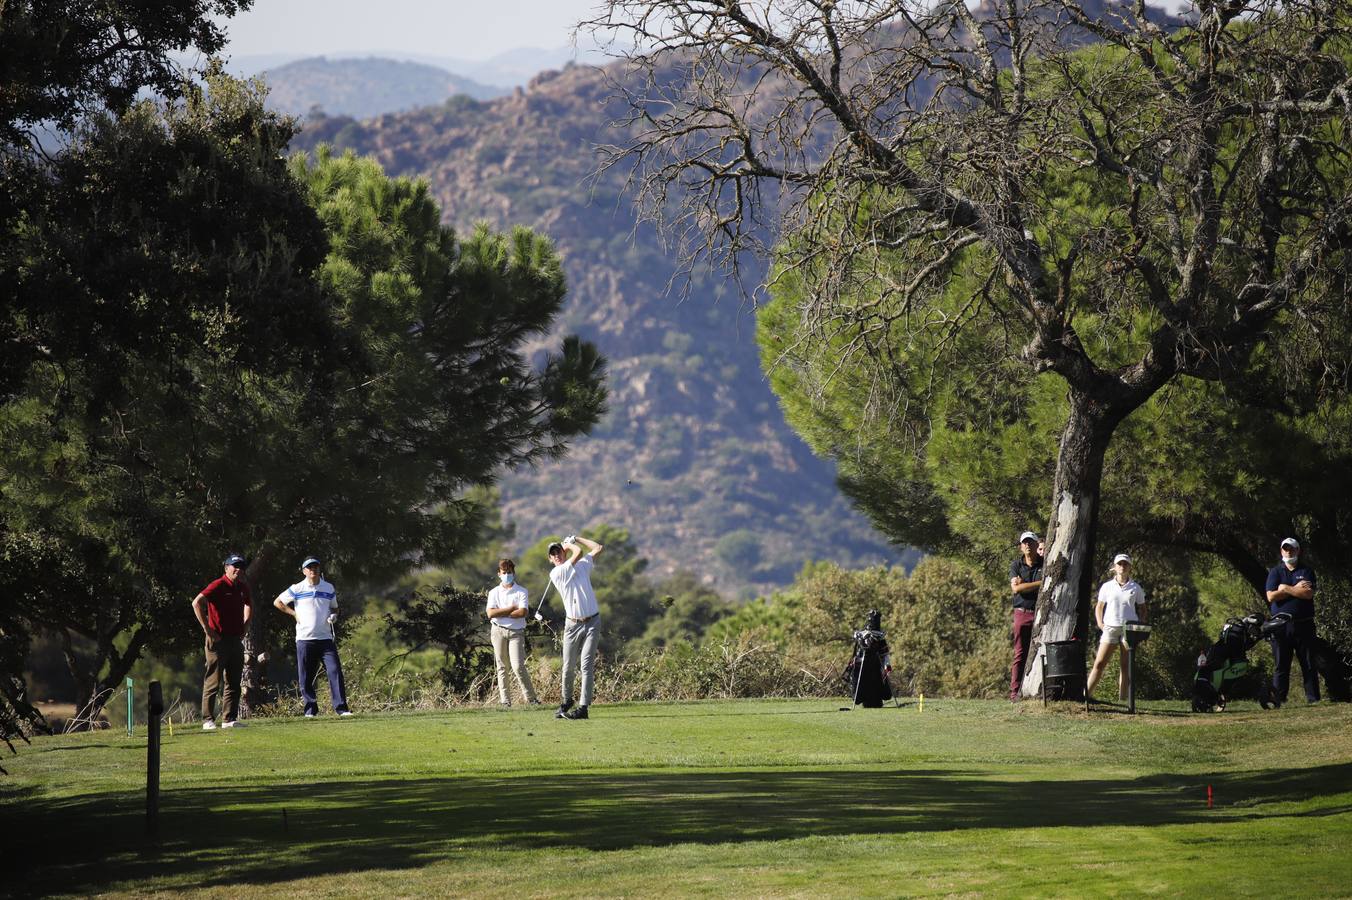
[[1113, 634]]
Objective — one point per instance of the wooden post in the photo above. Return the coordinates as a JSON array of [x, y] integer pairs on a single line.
[[153, 761]]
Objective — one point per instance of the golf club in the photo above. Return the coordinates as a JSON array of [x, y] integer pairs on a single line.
[[540, 617]]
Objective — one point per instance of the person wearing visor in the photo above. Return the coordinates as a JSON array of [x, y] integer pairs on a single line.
[[1120, 600], [507, 607], [1025, 579], [313, 603], [223, 609], [1290, 590]]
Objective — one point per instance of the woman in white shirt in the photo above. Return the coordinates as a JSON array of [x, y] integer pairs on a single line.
[[1120, 600]]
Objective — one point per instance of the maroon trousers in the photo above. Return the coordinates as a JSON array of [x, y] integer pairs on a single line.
[[1023, 638]]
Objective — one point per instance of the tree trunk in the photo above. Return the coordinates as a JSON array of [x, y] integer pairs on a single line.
[[254, 690], [88, 705], [1068, 573]]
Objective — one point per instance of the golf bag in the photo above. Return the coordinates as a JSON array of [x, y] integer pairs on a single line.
[[1224, 671], [867, 675]]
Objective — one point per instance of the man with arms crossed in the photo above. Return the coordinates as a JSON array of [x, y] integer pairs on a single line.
[[507, 608], [1290, 589], [1025, 579], [223, 609], [313, 603], [571, 577]]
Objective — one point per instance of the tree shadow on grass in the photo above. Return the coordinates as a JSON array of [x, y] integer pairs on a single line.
[[263, 835]]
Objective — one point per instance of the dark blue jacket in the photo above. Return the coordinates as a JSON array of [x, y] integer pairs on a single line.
[[1280, 574]]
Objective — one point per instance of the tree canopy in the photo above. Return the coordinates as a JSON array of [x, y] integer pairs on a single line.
[[974, 198], [307, 361]]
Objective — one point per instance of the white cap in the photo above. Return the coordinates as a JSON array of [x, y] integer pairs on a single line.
[[1121, 557], [1292, 543], [1027, 536]]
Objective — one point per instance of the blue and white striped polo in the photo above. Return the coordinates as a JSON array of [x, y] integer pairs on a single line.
[[313, 604]]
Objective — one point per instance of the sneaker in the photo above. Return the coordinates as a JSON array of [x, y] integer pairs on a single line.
[[234, 723], [209, 725], [345, 713], [563, 709], [309, 715], [579, 713]]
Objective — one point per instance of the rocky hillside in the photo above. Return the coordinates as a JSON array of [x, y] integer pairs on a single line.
[[365, 87], [694, 458]]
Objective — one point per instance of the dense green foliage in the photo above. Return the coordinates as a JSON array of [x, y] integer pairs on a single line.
[[308, 362], [183, 255], [63, 59], [64, 64], [948, 625], [948, 439]]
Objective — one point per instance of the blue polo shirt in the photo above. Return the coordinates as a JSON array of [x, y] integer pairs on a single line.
[[1280, 574]]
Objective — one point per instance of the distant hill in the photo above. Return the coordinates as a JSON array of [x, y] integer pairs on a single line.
[[363, 88], [694, 458]]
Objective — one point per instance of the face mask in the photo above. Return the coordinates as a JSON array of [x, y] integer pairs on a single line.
[[1290, 560], [507, 578]]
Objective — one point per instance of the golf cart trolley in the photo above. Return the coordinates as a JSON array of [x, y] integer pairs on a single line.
[[1224, 671]]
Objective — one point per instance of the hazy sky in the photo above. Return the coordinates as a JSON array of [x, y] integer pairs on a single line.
[[467, 29]]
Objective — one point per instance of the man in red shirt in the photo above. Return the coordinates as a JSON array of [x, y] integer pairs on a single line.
[[223, 609]]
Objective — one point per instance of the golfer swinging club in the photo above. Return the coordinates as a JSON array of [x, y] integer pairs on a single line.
[[571, 577]]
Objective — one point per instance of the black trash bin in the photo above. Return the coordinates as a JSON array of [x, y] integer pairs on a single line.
[[1063, 673]]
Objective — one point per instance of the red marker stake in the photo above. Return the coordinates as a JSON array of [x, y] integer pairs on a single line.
[[1208, 796]]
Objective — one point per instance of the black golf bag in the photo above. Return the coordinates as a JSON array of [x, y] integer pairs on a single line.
[[867, 675], [1224, 671]]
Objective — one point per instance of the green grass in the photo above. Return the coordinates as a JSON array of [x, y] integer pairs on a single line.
[[722, 799]]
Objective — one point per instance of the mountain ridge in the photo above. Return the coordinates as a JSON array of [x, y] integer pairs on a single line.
[[367, 87], [694, 458]]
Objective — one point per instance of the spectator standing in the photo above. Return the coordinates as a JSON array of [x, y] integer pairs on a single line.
[[1025, 579], [223, 609], [1290, 590], [508, 604], [313, 603], [1120, 600]]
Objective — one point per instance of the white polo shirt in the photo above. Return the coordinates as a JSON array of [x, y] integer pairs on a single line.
[[1120, 601], [573, 582], [514, 597], [313, 604]]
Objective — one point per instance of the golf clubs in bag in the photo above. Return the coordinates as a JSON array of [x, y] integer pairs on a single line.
[[869, 668], [1224, 671]]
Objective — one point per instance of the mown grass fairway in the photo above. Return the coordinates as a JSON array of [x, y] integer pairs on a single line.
[[721, 799]]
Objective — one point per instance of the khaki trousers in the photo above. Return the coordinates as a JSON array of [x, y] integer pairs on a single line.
[[510, 644], [225, 662]]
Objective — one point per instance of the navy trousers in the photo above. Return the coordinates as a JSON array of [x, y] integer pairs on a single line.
[[1296, 639], [309, 654]]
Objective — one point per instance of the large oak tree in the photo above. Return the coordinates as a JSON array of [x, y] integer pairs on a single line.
[[887, 145]]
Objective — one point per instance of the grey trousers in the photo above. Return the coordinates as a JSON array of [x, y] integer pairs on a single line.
[[579, 639], [509, 645]]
